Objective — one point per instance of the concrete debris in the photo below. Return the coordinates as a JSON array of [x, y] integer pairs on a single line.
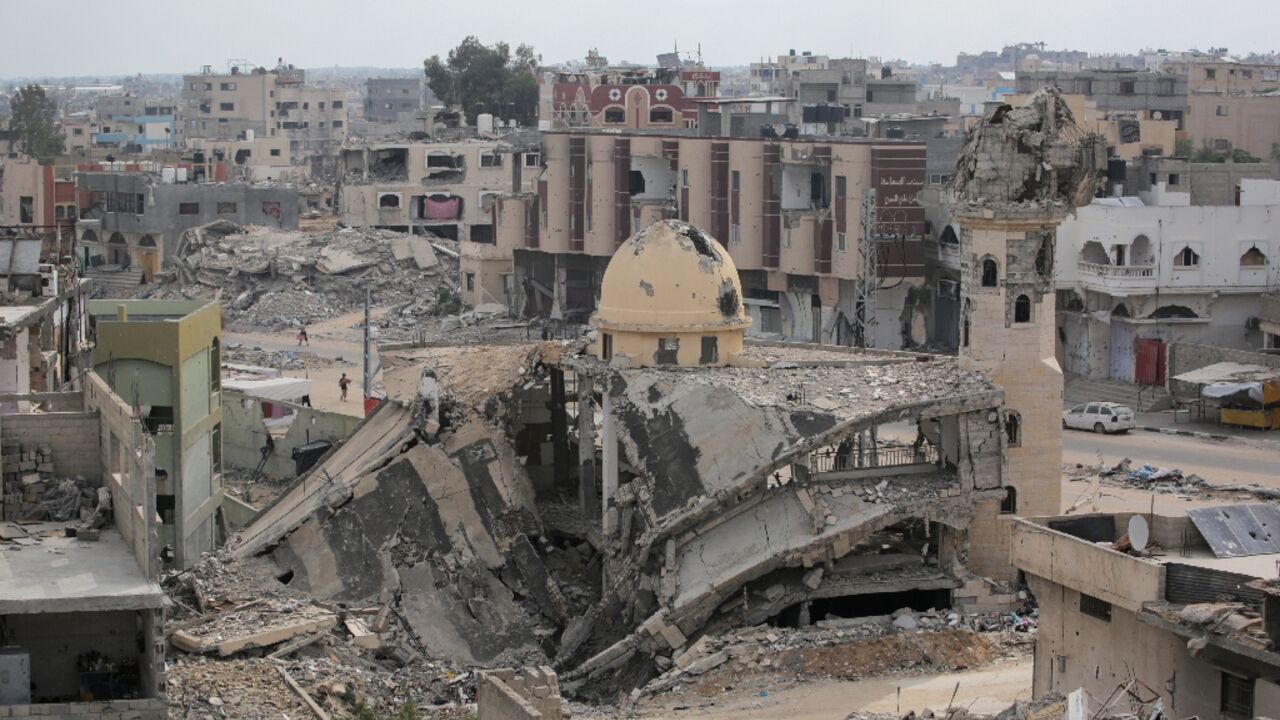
[[282, 279], [1166, 481], [532, 693]]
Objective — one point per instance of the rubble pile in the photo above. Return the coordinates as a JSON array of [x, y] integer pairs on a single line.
[[766, 649], [278, 359], [1167, 481], [284, 279], [33, 491]]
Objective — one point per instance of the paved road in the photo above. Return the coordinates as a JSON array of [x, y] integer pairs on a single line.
[[1219, 462]]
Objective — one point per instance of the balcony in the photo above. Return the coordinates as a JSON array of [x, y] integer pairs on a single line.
[[1118, 279]]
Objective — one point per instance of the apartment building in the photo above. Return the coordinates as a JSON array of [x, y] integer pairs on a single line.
[[826, 89], [635, 97], [1128, 134], [163, 357], [37, 196], [248, 103], [42, 320], [1137, 273], [389, 100], [787, 211], [132, 219], [131, 124], [1147, 95]]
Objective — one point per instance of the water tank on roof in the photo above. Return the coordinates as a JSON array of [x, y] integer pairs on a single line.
[[168, 175], [248, 134], [182, 174], [484, 123]]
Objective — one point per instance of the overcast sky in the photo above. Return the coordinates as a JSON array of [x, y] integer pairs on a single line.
[[87, 37]]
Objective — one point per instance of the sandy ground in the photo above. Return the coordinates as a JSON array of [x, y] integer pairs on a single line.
[[986, 690]]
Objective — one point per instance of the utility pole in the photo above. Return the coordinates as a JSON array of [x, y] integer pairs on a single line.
[[868, 279], [367, 381]]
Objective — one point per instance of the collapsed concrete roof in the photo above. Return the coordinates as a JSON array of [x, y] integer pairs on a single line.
[[1032, 155]]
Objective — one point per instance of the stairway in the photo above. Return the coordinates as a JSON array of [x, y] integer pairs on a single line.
[[1081, 389]]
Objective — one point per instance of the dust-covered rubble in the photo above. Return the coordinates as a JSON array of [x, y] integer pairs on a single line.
[[280, 279]]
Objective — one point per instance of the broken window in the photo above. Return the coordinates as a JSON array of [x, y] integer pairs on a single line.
[[1186, 258], [661, 115], [668, 351], [388, 200], [1237, 696], [1009, 505], [606, 346], [1023, 309], [1013, 428], [227, 208], [189, 208], [615, 116], [215, 449], [1093, 607], [1253, 257], [482, 233], [165, 505], [471, 282], [26, 209], [490, 160], [1126, 87], [710, 351], [990, 273]]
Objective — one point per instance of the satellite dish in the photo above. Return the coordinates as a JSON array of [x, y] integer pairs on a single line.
[[1157, 115], [1139, 533]]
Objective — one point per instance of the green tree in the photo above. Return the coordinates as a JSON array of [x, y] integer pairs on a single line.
[[1184, 147], [487, 79], [35, 123]]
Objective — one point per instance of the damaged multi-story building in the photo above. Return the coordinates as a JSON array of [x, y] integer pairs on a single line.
[[627, 96], [790, 212]]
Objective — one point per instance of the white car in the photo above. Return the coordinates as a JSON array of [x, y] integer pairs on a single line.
[[1100, 417]]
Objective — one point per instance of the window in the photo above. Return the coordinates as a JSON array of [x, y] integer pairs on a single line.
[[1246, 74], [1221, 144], [471, 282], [77, 131], [668, 351], [990, 273], [735, 181], [661, 115], [337, 124], [841, 243], [321, 104], [1210, 74], [227, 86], [532, 159], [1186, 258], [26, 209], [735, 234], [1165, 86], [226, 106], [1126, 87], [215, 448], [1013, 428], [337, 105], [208, 86], [786, 237], [606, 346], [188, 208], [490, 160], [1237, 696], [1173, 178], [1093, 607], [1154, 179], [1009, 505], [1220, 111], [841, 186], [684, 178], [226, 208], [275, 152], [615, 116], [1022, 309], [1253, 258], [710, 351]]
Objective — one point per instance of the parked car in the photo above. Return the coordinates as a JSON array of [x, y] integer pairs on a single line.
[[1100, 417]]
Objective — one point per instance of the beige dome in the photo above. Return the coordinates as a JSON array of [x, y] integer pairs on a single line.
[[671, 277]]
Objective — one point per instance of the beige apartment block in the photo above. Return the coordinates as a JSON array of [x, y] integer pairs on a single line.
[[787, 211], [1230, 122], [262, 158]]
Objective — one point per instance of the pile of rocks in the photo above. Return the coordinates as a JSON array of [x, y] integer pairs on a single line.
[[283, 279]]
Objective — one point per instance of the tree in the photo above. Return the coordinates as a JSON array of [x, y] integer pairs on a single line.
[[487, 79], [35, 123], [1183, 148]]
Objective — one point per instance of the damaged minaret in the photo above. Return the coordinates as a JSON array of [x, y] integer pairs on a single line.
[[1021, 172]]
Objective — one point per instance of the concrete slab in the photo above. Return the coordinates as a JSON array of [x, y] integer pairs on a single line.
[[60, 574]]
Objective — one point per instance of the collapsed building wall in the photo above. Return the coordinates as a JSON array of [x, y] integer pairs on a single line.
[[245, 433]]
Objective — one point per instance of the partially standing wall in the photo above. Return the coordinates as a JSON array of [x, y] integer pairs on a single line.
[[245, 433]]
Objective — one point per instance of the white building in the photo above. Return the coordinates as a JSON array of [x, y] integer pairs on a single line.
[[1135, 273]]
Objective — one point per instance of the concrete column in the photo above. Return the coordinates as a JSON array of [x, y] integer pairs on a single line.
[[559, 428], [587, 501], [609, 457]]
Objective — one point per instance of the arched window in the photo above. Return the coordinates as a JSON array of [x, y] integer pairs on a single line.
[[1013, 427], [1022, 309], [1009, 505], [1186, 258], [990, 273], [1253, 258]]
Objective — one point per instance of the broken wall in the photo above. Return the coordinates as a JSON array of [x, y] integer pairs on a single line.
[[244, 433], [73, 437]]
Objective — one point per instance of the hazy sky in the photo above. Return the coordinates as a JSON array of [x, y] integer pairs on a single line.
[[87, 37]]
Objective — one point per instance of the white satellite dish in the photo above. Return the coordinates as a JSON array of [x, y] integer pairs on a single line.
[[1139, 533]]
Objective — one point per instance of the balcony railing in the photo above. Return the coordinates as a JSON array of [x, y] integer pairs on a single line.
[[832, 460], [1119, 271]]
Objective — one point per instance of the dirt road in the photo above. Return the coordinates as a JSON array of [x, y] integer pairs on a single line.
[[986, 690]]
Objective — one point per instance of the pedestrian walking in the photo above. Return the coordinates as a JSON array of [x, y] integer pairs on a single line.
[[343, 382], [302, 337]]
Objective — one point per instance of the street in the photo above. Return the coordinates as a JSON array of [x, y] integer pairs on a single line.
[[1218, 462]]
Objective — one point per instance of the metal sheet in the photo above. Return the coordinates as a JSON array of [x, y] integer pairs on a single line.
[[1239, 530]]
